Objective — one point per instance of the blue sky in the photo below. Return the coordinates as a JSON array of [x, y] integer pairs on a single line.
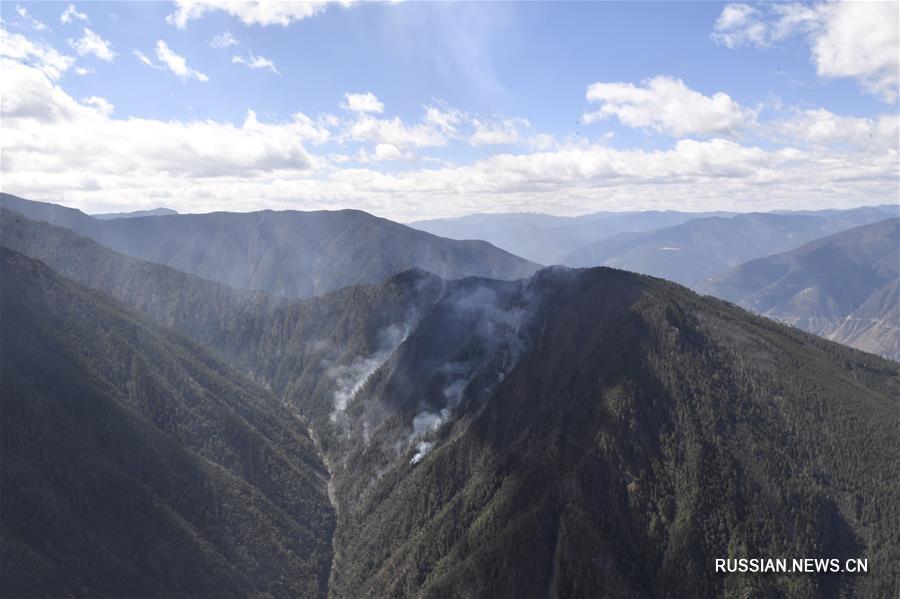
[[414, 110]]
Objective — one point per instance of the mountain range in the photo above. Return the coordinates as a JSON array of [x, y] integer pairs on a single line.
[[843, 287], [586, 432], [288, 253], [548, 239], [135, 213], [671, 244], [697, 249]]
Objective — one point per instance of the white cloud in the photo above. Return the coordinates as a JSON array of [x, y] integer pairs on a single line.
[[366, 102], [384, 153], [444, 118], [46, 131], [824, 128], [91, 43], [494, 133], [543, 142], [858, 40], [101, 105], [255, 62], [71, 14], [392, 131], [861, 40], [224, 40], [42, 56], [146, 60], [174, 62], [307, 129], [253, 12], [56, 147], [667, 105], [30, 20], [739, 25], [83, 71]]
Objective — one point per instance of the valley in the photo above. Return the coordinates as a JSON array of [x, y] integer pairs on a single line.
[[477, 434]]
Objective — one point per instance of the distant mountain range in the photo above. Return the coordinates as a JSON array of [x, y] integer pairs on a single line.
[[644, 241], [579, 432], [843, 287], [691, 252], [286, 253], [135, 213], [547, 239]]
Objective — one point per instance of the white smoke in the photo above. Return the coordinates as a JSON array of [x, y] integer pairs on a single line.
[[422, 450], [350, 378], [428, 422], [500, 329], [454, 390]]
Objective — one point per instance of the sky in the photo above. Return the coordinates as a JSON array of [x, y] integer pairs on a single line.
[[413, 110]]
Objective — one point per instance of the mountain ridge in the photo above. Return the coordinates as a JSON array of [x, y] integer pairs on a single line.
[[289, 253], [840, 286], [485, 438], [691, 252]]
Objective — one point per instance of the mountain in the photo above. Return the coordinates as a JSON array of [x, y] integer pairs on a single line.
[[135, 464], [135, 214], [843, 287], [286, 253], [597, 433], [693, 251], [579, 433], [547, 239]]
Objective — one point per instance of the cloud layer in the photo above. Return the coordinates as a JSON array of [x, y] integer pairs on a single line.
[[685, 147], [250, 12], [857, 40]]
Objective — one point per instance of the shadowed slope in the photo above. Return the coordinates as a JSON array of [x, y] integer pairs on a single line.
[[134, 464], [579, 433]]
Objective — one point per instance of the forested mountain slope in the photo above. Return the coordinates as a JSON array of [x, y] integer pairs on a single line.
[[135, 464], [577, 433]]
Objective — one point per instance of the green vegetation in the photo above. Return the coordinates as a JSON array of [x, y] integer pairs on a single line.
[[134, 464], [606, 434]]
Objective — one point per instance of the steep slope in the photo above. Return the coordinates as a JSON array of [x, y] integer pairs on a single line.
[[265, 337], [843, 287], [547, 239], [580, 433], [597, 433], [692, 252], [286, 253], [134, 464]]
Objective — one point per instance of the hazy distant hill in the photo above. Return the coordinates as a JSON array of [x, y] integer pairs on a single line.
[[135, 213], [593, 433], [693, 251], [844, 287], [287, 253], [135, 464], [548, 239]]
